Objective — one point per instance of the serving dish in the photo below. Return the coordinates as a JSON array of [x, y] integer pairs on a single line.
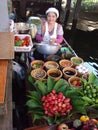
[[21, 44], [75, 82], [54, 73], [51, 65], [76, 60], [65, 63], [48, 49], [37, 64], [38, 74], [69, 72]]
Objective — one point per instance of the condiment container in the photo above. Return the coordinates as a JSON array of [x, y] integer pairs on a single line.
[[65, 63], [51, 65], [76, 61], [38, 74], [56, 74], [69, 72]]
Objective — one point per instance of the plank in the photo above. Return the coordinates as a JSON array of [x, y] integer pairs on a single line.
[[6, 121], [3, 75]]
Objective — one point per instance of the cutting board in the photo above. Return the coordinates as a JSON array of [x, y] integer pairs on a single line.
[[3, 76], [6, 45]]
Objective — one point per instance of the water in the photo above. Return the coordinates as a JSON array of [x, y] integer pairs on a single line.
[[85, 45]]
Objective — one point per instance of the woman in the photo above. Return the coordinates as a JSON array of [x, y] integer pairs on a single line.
[[50, 31]]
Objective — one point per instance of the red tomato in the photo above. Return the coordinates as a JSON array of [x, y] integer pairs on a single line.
[[17, 38], [27, 40]]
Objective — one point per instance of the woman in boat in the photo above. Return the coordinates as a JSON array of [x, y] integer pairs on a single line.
[[50, 31]]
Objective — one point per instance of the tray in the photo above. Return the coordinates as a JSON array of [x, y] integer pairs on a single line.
[[23, 48]]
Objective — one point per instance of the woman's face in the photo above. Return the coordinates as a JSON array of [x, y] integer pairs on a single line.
[[51, 17]]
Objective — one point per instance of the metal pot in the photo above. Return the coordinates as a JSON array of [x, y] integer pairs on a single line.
[[22, 28], [47, 49]]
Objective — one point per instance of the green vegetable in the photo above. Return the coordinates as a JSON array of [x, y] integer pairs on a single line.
[[37, 65], [30, 79], [76, 61], [18, 43], [35, 21]]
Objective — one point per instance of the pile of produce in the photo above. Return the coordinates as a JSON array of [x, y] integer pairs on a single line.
[[57, 101], [22, 41], [83, 123]]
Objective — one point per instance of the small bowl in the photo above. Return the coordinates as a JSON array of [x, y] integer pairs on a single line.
[[56, 74], [75, 82], [38, 74], [51, 65], [69, 72], [55, 58], [37, 64], [65, 63], [76, 61]]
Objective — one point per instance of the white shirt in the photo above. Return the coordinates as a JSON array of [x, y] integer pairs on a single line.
[[47, 37]]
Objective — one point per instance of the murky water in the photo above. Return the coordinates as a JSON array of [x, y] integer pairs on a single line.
[[85, 45]]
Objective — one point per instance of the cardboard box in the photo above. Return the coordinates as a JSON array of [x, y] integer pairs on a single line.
[[6, 45]]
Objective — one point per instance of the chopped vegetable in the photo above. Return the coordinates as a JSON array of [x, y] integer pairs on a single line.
[[76, 61], [22, 41]]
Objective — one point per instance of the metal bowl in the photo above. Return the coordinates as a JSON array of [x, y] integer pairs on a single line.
[[22, 28], [47, 49]]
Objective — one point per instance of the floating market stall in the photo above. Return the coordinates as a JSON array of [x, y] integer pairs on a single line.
[[62, 87]]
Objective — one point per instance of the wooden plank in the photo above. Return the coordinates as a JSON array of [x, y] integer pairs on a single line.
[[6, 45], [3, 75], [6, 122]]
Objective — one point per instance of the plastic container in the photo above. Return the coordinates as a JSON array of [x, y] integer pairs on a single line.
[[23, 48]]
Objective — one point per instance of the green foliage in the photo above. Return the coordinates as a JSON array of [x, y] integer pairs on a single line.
[[41, 87], [50, 84], [79, 100]]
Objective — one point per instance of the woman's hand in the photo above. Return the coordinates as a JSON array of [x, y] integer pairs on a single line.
[[52, 41]]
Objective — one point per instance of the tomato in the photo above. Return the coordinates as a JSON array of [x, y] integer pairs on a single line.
[[76, 83], [17, 38], [24, 41], [27, 40]]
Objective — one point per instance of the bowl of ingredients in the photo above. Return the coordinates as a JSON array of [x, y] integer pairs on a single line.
[[56, 74], [22, 27], [69, 72], [51, 65], [75, 81], [47, 49], [65, 63], [53, 58], [34, 20], [76, 60], [38, 74], [37, 64]]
